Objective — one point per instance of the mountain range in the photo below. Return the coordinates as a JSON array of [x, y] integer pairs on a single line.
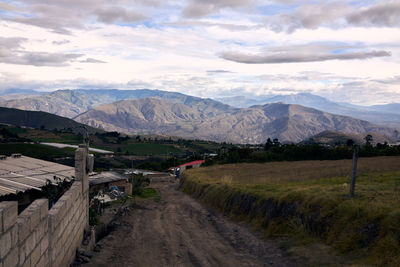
[[290, 118], [387, 115], [290, 123]]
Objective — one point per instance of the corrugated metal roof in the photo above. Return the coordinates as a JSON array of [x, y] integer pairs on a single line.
[[105, 177], [24, 173]]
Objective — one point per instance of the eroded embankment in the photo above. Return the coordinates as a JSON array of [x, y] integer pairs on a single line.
[[371, 235]]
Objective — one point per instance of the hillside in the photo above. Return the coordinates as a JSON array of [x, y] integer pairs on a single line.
[[70, 103], [291, 123], [39, 119], [387, 115]]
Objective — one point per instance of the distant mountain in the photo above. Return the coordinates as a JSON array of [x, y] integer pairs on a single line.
[[16, 91], [291, 123], [393, 108], [387, 115], [70, 103], [39, 119]]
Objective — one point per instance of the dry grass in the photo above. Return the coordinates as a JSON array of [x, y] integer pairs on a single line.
[[282, 172], [366, 226]]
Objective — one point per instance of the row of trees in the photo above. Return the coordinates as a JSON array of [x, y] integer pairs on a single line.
[[275, 151]]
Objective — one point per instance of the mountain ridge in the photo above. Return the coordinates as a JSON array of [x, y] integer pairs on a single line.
[[249, 125]]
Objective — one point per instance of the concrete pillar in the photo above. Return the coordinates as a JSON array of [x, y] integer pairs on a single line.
[[81, 174], [90, 163]]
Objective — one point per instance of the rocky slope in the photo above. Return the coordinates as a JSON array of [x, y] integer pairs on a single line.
[[70, 103], [286, 122]]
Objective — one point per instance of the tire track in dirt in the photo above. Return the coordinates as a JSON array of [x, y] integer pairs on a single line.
[[179, 231]]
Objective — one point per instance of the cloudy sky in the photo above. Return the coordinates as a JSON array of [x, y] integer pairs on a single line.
[[344, 50]]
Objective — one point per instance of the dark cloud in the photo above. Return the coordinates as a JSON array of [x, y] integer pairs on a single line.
[[41, 59], [385, 14], [11, 43], [61, 16], [228, 26], [115, 13], [11, 52], [292, 57], [62, 42], [212, 72], [92, 60], [335, 14], [201, 8], [307, 16]]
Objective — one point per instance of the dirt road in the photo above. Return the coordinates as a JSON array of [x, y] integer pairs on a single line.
[[179, 231]]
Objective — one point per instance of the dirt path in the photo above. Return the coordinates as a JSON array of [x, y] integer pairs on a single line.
[[178, 231]]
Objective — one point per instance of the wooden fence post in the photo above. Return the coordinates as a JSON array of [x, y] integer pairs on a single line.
[[354, 171]]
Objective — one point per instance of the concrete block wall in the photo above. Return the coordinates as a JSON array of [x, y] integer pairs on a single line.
[[67, 222], [8, 234], [42, 237], [33, 235]]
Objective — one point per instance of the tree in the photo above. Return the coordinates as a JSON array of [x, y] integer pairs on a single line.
[[268, 144], [368, 139], [276, 142], [349, 142]]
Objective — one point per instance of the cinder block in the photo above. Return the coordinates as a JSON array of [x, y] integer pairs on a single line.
[[27, 263], [30, 243], [9, 214], [43, 205], [35, 256], [60, 252], [44, 244], [22, 254], [35, 217], [76, 190], [41, 229], [24, 225], [57, 233], [62, 209], [14, 235], [67, 198], [44, 261], [12, 258], [52, 220], [5, 244]]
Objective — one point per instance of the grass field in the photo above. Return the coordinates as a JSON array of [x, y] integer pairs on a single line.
[[34, 150], [151, 149], [309, 199], [296, 171]]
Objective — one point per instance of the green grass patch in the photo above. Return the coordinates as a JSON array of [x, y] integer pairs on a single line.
[[309, 205], [34, 150], [150, 193], [16, 130]]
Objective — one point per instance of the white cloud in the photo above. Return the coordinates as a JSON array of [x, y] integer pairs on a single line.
[[150, 44]]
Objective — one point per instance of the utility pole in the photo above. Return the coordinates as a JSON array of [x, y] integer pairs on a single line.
[[354, 171]]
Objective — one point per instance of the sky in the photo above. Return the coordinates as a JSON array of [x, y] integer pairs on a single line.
[[347, 51]]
